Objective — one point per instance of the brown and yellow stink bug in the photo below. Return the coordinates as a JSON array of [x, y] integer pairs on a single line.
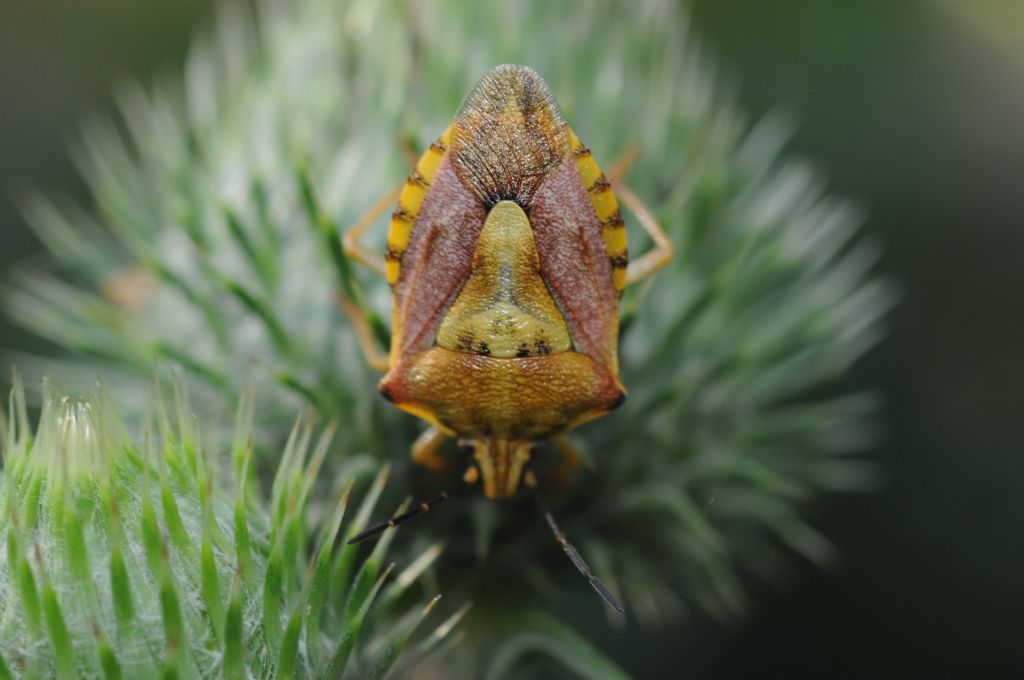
[[506, 258]]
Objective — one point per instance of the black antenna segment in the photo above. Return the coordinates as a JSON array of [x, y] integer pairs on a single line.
[[573, 554]]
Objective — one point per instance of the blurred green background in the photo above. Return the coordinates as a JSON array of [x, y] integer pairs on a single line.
[[913, 108]]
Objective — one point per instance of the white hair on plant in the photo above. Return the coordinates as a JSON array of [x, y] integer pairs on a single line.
[[136, 558]]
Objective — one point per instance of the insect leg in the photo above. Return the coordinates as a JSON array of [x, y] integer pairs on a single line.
[[354, 248], [653, 260], [377, 359], [570, 460], [424, 449], [573, 554], [618, 169], [407, 146]]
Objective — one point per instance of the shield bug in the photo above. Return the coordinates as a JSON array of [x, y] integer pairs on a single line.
[[506, 257]]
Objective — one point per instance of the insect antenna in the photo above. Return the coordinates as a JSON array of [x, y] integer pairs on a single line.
[[423, 507], [573, 554]]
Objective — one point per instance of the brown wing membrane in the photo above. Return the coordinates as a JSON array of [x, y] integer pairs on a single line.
[[574, 261], [436, 262]]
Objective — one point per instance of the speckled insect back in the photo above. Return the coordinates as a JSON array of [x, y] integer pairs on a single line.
[[508, 135], [506, 257], [505, 313]]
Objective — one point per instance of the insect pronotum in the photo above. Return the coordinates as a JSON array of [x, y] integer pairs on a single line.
[[506, 258]]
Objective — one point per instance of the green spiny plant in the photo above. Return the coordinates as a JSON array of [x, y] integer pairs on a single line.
[[136, 561], [215, 245]]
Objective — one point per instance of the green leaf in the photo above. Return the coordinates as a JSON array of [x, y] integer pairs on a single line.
[[60, 638], [121, 590], [176, 531], [343, 565], [287, 657], [108, 658], [210, 579], [78, 556], [320, 584], [27, 591], [343, 651], [327, 229], [392, 650], [234, 633], [272, 594], [170, 611], [408, 576], [265, 312], [434, 642], [542, 633], [150, 529], [364, 582], [262, 262]]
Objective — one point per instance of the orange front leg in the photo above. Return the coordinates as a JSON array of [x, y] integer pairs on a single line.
[[375, 357], [570, 460], [424, 449], [653, 260], [353, 246]]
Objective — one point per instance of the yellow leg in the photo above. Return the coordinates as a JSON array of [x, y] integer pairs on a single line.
[[406, 146], [354, 249], [571, 461], [651, 261], [622, 164], [424, 449], [377, 359]]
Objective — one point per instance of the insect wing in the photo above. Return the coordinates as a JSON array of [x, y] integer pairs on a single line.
[[435, 261], [575, 261]]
